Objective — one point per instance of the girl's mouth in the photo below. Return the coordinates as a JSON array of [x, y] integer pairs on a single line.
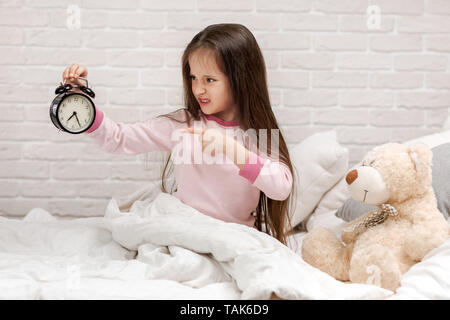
[[204, 102]]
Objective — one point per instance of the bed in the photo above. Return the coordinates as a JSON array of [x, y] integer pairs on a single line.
[[149, 245]]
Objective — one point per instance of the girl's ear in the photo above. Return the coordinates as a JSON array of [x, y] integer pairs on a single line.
[[421, 156]]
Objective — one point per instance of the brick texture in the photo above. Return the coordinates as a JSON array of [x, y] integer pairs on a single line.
[[375, 71]]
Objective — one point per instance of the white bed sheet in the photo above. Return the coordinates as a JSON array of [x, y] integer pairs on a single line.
[[42, 257]]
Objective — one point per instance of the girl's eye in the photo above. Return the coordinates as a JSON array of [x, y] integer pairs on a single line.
[[210, 80]]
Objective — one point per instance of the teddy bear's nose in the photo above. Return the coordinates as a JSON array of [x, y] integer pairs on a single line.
[[351, 176]]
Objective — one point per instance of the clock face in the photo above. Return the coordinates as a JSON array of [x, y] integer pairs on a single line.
[[76, 113]]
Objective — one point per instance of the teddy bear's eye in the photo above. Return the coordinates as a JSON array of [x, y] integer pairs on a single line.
[[370, 164]]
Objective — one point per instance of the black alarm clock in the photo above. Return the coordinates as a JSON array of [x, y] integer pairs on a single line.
[[73, 111]]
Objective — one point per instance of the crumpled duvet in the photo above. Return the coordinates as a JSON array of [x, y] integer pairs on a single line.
[[160, 248]]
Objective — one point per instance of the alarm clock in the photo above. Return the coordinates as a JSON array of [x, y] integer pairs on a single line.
[[73, 111]]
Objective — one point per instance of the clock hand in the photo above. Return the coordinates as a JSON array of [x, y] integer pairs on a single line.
[[77, 119], [71, 116]]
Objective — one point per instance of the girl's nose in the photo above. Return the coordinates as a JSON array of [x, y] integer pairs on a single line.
[[199, 90]]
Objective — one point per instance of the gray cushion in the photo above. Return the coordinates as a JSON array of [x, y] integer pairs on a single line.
[[352, 209], [441, 177]]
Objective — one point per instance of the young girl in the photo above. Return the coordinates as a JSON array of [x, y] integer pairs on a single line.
[[224, 80]]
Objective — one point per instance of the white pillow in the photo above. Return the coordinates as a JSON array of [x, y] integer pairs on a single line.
[[319, 162], [432, 140], [324, 215]]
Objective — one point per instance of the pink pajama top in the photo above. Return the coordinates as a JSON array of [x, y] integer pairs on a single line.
[[216, 188]]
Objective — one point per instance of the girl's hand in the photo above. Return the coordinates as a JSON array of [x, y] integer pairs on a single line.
[[73, 72], [214, 140], [222, 144]]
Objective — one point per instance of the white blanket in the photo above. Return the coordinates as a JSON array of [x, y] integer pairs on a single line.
[[164, 249]]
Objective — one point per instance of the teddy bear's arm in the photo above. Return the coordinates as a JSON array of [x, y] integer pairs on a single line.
[[354, 228], [428, 231]]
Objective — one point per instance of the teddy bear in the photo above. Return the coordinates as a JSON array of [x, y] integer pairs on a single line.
[[380, 246]]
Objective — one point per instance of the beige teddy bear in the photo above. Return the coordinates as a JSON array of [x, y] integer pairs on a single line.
[[380, 246]]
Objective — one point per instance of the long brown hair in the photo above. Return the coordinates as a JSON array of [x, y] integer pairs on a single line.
[[237, 52]]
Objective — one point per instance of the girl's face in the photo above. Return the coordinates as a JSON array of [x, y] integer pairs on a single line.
[[211, 87]]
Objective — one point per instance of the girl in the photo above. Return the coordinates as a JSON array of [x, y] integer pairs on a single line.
[[225, 89]]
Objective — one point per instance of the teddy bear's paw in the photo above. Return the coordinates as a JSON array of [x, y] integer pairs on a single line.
[[422, 238], [375, 265], [323, 250]]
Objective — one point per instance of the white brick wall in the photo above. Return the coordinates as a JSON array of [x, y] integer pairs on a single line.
[[326, 70]]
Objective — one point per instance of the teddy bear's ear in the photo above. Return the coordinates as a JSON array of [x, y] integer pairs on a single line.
[[421, 155]]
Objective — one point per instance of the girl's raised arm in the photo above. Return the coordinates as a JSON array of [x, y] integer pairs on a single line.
[[120, 138], [112, 137]]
